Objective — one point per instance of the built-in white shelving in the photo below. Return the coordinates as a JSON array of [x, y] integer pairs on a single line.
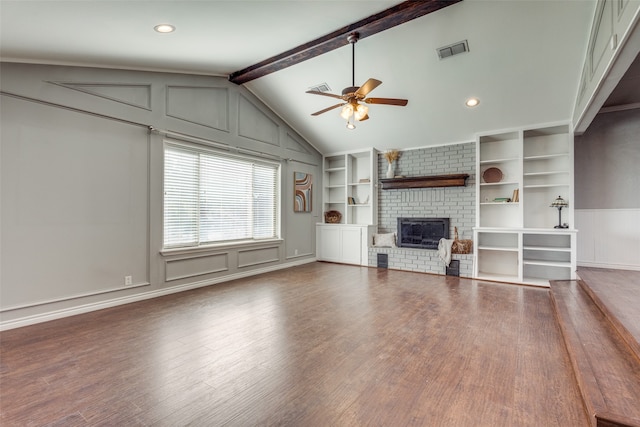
[[516, 240], [349, 187]]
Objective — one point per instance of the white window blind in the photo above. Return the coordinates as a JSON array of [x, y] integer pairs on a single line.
[[210, 198]]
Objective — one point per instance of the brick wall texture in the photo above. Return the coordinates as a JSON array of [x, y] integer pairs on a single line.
[[455, 203]]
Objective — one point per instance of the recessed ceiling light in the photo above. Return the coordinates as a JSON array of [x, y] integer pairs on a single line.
[[472, 102], [164, 28]]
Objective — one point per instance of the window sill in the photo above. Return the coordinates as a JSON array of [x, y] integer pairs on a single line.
[[220, 246]]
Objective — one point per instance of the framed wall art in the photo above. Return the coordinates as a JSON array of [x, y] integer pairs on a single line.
[[303, 185]]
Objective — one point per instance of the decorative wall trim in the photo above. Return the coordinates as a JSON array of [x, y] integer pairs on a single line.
[[135, 95], [251, 257], [294, 145], [615, 246], [259, 126], [66, 107], [596, 57], [211, 109], [72, 297], [58, 314], [211, 266]]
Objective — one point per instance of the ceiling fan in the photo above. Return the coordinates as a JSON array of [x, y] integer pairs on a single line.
[[354, 95]]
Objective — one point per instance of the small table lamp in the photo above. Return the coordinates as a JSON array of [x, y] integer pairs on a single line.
[[560, 203]]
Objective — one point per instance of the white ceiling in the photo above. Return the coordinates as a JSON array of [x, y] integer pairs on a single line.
[[524, 62]]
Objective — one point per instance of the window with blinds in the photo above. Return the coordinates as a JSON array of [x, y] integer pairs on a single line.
[[211, 198]]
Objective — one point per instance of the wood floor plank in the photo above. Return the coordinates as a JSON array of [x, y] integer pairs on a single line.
[[316, 345], [616, 292], [606, 368]]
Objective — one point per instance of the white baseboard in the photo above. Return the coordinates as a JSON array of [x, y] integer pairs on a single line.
[[86, 308], [611, 266]]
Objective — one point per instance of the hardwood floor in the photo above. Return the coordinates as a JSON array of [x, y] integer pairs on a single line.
[[316, 345]]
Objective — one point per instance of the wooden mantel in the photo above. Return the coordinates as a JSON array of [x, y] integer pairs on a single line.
[[451, 180]]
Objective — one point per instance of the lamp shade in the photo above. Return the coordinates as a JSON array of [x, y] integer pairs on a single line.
[[559, 203], [347, 111], [361, 112]]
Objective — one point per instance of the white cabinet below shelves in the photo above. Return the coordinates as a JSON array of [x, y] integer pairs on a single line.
[[343, 243]]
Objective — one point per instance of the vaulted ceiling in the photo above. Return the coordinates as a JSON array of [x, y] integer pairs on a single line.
[[524, 61]]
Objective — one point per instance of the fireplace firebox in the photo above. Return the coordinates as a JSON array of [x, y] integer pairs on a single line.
[[424, 233]]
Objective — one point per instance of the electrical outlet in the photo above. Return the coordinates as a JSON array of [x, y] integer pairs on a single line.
[[128, 280], [295, 252]]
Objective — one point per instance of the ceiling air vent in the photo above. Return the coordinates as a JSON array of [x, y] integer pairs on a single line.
[[322, 87], [453, 49]]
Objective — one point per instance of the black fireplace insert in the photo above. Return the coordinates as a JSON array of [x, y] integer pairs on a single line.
[[424, 233]]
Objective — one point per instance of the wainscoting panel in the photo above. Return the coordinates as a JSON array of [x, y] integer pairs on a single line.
[[192, 266], [251, 257], [618, 247]]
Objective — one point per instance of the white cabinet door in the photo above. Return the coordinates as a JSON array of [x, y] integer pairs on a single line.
[[351, 239], [329, 243], [340, 243]]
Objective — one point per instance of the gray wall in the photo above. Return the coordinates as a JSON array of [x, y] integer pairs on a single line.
[[81, 180], [456, 203], [607, 191], [607, 159]]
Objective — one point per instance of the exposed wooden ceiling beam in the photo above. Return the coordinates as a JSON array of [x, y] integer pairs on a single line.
[[389, 18]]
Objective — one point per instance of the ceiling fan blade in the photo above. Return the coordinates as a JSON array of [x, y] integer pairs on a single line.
[[317, 113], [387, 101], [367, 87], [315, 92], [366, 117]]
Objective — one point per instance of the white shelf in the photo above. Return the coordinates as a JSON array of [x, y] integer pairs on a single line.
[[497, 248], [545, 156], [493, 184], [546, 186], [565, 264], [500, 203], [493, 161], [545, 173], [342, 175], [546, 249]]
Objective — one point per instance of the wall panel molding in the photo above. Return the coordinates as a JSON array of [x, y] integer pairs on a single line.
[[257, 256], [135, 95], [195, 265], [254, 124], [608, 238], [205, 106]]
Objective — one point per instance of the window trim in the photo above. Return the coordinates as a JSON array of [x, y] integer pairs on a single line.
[[232, 244], [204, 148]]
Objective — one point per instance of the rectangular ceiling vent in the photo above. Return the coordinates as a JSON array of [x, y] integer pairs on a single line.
[[453, 49], [322, 87]]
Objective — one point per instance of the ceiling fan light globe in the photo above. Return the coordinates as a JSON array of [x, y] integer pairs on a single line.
[[361, 112], [347, 111]]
